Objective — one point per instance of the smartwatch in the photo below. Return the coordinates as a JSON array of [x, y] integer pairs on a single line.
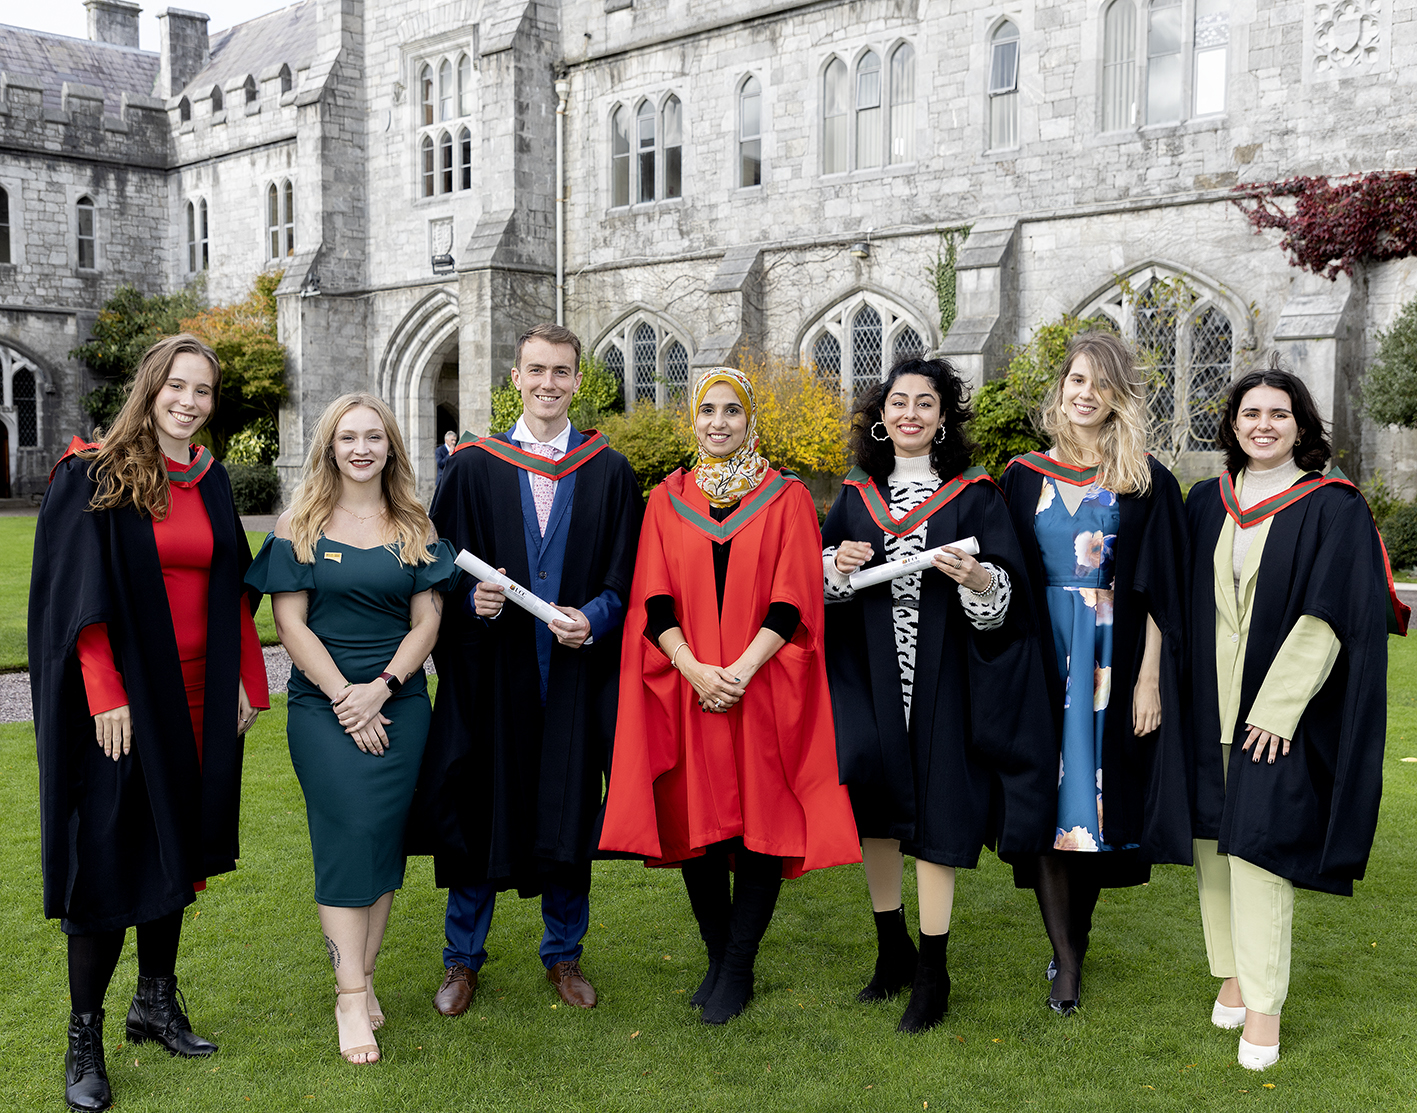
[[392, 681]]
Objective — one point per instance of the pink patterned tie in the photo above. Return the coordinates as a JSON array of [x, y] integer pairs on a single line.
[[543, 490]]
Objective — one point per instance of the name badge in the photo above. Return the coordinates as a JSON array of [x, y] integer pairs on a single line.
[[336, 557]]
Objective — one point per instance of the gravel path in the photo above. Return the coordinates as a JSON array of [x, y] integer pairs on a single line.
[[15, 686]]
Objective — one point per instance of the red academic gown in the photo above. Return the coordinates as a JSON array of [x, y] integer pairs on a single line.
[[682, 779], [184, 547]]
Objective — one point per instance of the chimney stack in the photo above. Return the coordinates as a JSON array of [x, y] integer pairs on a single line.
[[113, 21], [183, 49]]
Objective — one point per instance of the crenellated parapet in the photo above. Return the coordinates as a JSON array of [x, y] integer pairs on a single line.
[[83, 123]]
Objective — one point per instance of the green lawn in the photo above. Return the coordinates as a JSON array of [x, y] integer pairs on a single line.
[[16, 550], [254, 969]]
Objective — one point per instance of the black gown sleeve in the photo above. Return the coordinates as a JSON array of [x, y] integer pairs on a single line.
[[659, 616]]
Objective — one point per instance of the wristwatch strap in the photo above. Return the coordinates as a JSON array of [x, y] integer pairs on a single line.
[[392, 681]]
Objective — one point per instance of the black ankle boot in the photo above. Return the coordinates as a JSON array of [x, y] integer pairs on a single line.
[[85, 1073], [733, 988], [896, 957], [759, 878], [156, 1015], [705, 991], [930, 991]]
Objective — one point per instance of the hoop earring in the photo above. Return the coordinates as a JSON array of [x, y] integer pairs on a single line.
[[940, 433], [882, 424]]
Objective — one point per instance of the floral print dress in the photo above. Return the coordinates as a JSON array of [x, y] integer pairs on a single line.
[[1077, 552]]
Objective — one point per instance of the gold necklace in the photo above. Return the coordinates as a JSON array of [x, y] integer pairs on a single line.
[[362, 518]]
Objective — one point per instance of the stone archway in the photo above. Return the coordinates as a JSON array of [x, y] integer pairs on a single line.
[[414, 361]]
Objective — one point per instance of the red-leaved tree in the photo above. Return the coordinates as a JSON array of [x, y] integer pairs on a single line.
[[1330, 226]]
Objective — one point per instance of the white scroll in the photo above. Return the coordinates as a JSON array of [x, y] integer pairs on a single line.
[[865, 577], [533, 604]]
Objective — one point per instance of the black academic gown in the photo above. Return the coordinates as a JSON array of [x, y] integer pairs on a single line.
[[1143, 779], [122, 842], [978, 764], [1309, 817], [510, 792]]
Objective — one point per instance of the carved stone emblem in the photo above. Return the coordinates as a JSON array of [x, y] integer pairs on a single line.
[[1346, 35]]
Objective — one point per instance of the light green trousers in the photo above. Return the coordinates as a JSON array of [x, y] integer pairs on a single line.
[[1248, 917]]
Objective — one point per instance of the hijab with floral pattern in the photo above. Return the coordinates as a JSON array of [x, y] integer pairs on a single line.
[[724, 480]]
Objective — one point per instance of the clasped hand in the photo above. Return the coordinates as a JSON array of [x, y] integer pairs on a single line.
[[358, 709], [718, 688], [1276, 744]]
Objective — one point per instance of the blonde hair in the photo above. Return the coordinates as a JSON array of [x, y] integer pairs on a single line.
[[319, 490], [128, 464], [1122, 443]]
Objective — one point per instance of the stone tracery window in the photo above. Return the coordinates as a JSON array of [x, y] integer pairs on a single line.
[[858, 340], [86, 238], [1186, 65], [857, 132], [280, 220], [443, 153], [646, 152], [649, 358], [18, 392]]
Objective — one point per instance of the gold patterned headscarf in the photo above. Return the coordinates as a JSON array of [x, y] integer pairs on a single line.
[[726, 479]]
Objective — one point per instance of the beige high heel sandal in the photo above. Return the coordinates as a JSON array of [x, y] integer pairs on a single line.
[[362, 1049], [376, 1011]]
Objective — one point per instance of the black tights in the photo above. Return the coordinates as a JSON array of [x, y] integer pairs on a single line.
[[1066, 897], [743, 919], [94, 957]]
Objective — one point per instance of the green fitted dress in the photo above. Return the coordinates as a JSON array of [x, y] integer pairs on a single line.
[[356, 803]]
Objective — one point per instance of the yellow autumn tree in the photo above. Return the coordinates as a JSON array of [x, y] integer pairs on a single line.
[[802, 417]]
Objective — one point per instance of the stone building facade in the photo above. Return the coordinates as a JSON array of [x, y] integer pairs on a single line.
[[761, 174]]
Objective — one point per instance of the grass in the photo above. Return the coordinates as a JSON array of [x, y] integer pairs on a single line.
[[16, 550], [254, 969]]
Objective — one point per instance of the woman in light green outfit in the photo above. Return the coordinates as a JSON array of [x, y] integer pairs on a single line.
[[1288, 650], [354, 570]]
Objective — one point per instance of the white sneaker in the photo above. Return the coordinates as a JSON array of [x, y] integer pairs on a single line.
[[1254, 1057], [1223, 1016]]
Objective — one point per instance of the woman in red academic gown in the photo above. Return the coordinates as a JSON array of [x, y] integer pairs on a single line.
[[724, 747], [146, 671]]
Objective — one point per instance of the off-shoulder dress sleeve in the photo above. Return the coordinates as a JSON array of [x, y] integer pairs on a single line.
[[275, 569], [441, 573]]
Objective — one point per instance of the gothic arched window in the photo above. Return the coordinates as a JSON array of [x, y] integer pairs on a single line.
[[903, 104], [834, 118], [619, 157], [1003, 87], [673, 115], [860, 338], [750, 133], [868, 110], [1119, 54], [649, 358]]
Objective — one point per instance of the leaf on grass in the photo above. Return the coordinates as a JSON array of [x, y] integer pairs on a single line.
[[998, 1040], [635, 1033], [1269, 1085], [1151, 1088], [668, 957], [960, 1038]]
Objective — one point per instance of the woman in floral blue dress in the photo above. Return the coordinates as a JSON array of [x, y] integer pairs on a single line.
[[1103, 533]]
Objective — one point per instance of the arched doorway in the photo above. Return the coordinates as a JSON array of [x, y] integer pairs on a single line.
[[419, 369]]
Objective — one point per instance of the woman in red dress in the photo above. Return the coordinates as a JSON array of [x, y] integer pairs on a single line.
[[146, 671], [724, 749]]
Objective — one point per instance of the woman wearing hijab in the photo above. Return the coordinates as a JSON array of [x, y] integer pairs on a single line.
[[146, 672], [1291, 603], [910, 658], [724, 753]]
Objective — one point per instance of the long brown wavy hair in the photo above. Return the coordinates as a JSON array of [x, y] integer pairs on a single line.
[[128, 464], [320, 483], [1122, 443]]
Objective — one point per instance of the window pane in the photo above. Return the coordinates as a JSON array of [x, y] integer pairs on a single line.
[[85, 237], [1119, 66], [464, 86], [644, 346], [4, 227], [1164, 36], [673, 148], [620, 158], [826, 354], [1156, 343], [868, 137], [202, 227], [464, 159], [866, 361], [751, 168], [1211, 346], [445, 154], [1003, 121], [273, 221], [1163, 89], [425, 93], [903, 105], [834, 118], [26, 417], [615, 364], [191, 237], [445, 90], [676, 371], [428, 169], [250, 87], [908, 345], [644, 145], [750, 148], [289, 219], [1210, 82], [868, 82], [1003, 62]]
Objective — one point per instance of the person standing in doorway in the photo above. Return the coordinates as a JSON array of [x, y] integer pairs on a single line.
[[441, 455], [510, 792]]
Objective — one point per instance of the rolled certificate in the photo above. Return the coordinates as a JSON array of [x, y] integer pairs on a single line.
[[865, 577], [533, 604]]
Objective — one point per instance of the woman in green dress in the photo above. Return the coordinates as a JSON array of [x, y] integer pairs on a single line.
[[354, 569]]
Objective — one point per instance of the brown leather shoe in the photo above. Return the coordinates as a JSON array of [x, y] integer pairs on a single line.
[[455, 994], [572, 985]]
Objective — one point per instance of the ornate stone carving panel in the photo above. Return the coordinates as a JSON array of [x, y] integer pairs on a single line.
[[1347, 38]]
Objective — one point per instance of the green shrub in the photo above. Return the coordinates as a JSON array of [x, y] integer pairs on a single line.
[[1400, 536], [600, 393], [255, 488], [655, 442], [1382, 499], [1390, 388], [257, 443]]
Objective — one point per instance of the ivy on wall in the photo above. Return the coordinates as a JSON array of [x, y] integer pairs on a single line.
[[1329, 227], [942, 273]]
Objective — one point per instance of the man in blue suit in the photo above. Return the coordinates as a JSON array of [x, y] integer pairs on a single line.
[[510, 793]]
